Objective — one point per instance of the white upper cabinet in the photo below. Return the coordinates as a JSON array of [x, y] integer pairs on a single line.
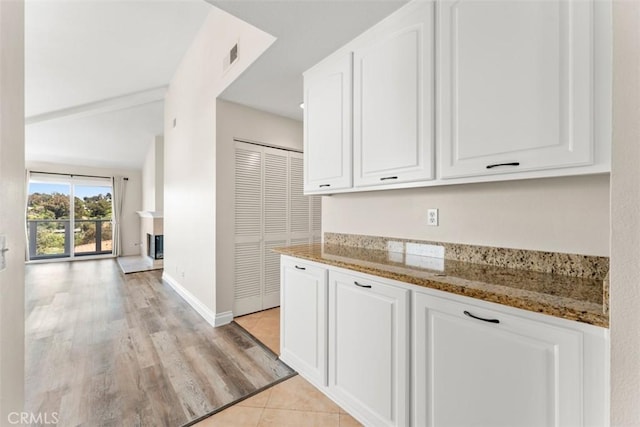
[[460, 91], [393, 100], [327, 126], [515, 86]]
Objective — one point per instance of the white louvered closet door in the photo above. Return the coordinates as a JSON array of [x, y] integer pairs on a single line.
[[248, 228], [276, 220], [270, 211]]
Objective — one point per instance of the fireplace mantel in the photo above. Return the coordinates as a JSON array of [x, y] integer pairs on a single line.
[[150, 214]]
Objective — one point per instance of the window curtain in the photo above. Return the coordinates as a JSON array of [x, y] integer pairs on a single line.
[[119, 191], [26, 214]]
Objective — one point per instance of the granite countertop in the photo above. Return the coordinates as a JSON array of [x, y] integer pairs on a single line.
[[572, 298]]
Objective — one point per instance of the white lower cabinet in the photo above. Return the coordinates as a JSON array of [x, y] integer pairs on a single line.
[[303, 319], [369, 348], [475, 366], [394, 354]]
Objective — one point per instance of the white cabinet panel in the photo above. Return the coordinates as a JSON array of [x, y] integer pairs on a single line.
[[303, 343], [393, 101], [327, 126], [369, 348], [516, 86], [493, 369]]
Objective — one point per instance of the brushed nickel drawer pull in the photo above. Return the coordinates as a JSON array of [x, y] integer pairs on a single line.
[[466, 313]]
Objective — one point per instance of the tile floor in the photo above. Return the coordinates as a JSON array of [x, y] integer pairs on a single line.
[[294, 402], [265, 326]]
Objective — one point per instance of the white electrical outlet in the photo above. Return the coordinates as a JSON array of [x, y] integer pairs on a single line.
[[432, 217]]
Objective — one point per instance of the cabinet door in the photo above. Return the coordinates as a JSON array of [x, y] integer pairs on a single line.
[[303, 319], [327, 126], [393, 100], [515, 84], [478, 372], [368, 348]]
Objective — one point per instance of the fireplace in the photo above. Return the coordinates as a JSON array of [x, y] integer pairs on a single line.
[[155, 246]]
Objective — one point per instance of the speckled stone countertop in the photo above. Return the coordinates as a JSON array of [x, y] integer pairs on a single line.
[[567, 297]]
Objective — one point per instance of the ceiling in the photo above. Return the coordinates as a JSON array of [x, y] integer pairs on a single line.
[[96, 70], [86, 65], [307, 31]]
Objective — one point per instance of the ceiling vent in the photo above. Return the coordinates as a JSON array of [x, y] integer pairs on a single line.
[[231, 58]]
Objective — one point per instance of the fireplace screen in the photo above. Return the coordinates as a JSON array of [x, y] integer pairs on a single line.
[[155, 246]]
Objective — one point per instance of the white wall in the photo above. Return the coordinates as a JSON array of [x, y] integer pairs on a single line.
[[152, 192], [190, 154], [153, 176], [237, 121], [625, 215], [130, 222], [159, 173], [12, 197], [568, 215]]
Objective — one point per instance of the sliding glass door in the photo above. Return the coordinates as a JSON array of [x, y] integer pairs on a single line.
[[69, 217], [49, 220], [93, 233]]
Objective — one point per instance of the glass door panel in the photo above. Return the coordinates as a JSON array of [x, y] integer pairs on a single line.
[[67, 218], [92, 208], [48, 220]]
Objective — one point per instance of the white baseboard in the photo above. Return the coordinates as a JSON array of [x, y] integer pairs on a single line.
[[194, 302], [224, 318]]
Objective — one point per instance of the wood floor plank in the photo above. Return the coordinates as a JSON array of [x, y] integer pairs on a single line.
[[107, 349], [159, 391], [193, 400]]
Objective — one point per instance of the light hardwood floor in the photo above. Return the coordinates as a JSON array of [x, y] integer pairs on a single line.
[[294, 402], [104, 349]]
